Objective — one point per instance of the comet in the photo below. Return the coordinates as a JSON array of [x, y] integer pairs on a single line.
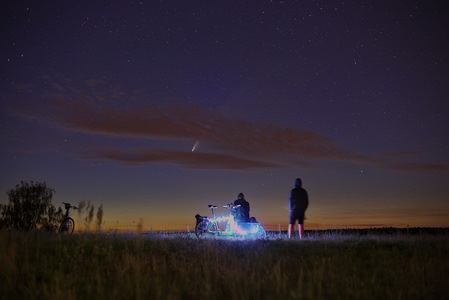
[[196, 145]]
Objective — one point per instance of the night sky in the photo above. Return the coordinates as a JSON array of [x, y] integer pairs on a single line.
[[155, 109]]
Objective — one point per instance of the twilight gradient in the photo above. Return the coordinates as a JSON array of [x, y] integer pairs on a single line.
[[156, 109]]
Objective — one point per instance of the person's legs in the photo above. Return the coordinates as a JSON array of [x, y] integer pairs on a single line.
[[301, 230], [290, 231], [291, 223], [293, 217]]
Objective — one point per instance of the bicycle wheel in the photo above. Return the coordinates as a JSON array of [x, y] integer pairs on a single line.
[[67, 226], [205, 229], [261, 233]]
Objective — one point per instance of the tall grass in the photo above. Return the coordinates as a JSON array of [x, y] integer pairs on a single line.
[[83, 266]]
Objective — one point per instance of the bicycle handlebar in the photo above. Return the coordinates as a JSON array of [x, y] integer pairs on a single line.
[[68, 205]]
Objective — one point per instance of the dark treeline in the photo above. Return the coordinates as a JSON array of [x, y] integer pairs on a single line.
[[381, 231]]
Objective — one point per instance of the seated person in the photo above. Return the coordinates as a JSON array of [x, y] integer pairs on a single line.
[[241, 214]]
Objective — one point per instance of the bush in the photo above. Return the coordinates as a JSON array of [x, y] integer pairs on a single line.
[[30, 208]]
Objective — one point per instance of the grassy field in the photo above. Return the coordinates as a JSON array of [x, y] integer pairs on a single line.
[[144, 266]]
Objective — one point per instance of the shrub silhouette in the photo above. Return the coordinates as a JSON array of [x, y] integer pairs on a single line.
[[30, 208]]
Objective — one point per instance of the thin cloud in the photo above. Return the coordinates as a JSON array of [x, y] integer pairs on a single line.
[[212, 129], [96, 108], [403, 154], [415, 167], [183, 159]]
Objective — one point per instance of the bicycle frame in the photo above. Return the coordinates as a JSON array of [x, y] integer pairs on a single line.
[[68, 224], [67, 207]]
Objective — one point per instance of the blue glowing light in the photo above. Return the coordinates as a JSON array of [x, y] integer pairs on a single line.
[[212, 226]]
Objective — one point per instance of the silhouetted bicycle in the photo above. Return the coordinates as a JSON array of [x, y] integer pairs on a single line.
[[68, 224]]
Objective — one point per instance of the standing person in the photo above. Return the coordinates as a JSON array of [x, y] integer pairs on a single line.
[[241, 214], [297, 205]]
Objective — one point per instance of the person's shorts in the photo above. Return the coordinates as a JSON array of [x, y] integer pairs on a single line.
[[296, 216]]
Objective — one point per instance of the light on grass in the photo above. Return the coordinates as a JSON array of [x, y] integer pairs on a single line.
[[236, 228]]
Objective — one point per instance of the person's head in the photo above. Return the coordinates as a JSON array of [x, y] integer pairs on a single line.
[[298, 182], [240, 196]]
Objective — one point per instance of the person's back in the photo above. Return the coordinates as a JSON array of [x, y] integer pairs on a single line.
[[299, 199], [241, 214]]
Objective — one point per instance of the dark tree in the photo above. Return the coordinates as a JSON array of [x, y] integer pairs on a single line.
[[30, 208]]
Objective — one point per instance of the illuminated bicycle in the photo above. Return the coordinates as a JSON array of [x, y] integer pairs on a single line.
[[68, 224], [210, 227]]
